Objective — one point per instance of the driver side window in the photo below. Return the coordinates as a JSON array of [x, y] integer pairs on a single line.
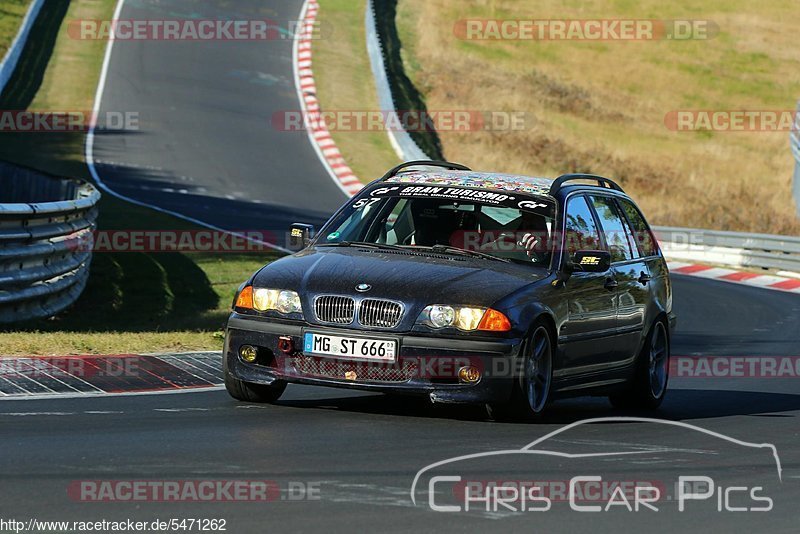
[[581, 232]]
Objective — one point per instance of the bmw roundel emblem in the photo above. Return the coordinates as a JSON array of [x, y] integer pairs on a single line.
[[363, 287]]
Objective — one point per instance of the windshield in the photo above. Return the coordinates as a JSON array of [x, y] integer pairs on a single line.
[[500, 224]]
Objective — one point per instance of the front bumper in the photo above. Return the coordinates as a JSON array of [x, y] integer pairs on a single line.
[[425, 365]]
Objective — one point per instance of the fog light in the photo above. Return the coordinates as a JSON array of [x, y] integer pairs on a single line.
[[469, 374], [248, 353]]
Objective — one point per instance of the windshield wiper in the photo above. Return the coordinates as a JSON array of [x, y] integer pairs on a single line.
[[439, 249], [447, 249], [365, 244]]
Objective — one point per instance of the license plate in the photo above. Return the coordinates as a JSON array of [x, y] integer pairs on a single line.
[[383, 350]]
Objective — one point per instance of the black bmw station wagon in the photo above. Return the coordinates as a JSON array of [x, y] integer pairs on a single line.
[[464, 287]]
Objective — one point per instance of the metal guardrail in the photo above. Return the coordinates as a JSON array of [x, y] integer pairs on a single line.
[[45, 246], [403, 144], [754, 251], [794, 141], [9, 61]]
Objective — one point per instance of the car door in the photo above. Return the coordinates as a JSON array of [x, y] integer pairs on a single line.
[[587, 334], [632, 276], [659, 286]]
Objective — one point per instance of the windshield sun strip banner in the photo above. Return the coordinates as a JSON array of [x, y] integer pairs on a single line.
[[505, 199]]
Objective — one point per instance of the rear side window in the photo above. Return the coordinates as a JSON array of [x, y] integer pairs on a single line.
[[618, 239], [581, 230], [642, 234]]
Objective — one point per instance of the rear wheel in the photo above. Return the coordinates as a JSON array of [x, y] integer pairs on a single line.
[[652, 373], [531, 390], [249, 392]]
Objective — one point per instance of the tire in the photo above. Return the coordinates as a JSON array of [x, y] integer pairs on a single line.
[[531, 390], [651, 374], [248, 392]]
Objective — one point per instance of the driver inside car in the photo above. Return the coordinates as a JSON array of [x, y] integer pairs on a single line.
[[529, 234]]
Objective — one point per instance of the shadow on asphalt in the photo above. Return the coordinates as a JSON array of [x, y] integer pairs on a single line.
[[260, 215], [682, 404]]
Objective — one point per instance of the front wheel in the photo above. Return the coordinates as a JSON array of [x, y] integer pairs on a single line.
[[531, 390], [651, 374], [249, 392]]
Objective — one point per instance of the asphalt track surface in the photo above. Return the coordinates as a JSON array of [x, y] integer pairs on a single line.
[[205, 110], [362, 451], [206, 146]]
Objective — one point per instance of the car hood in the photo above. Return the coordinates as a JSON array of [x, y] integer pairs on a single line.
[[415, 279]]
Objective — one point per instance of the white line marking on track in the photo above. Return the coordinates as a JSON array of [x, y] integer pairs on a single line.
[[178, 410], [29, 380], [48, 375], [32, 414], [76, 377], [299, 45], [90, 161], [183, 364], [13, 385], [92, 395]]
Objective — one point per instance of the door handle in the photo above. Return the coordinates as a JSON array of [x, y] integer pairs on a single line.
[[611, 284], [644, 278]]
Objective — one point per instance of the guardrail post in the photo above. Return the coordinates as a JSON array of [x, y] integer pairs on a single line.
[[794, 138]]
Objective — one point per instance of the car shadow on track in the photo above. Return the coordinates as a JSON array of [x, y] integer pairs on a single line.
[[682, 404]]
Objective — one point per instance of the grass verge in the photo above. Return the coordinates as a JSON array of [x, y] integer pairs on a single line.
[[344, 82], [11, 14], [600, 106], [594, 106], [134, 302]]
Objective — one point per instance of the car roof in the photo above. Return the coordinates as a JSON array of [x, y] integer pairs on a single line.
[[481, 180]]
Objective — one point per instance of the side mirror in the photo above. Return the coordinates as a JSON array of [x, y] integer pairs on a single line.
[[300, 236], [591, 261], [586, 261]]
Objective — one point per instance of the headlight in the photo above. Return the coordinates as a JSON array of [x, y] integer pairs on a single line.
[[279, 300], [441, 316], [464, 318], [289, 302], [469, 318]]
